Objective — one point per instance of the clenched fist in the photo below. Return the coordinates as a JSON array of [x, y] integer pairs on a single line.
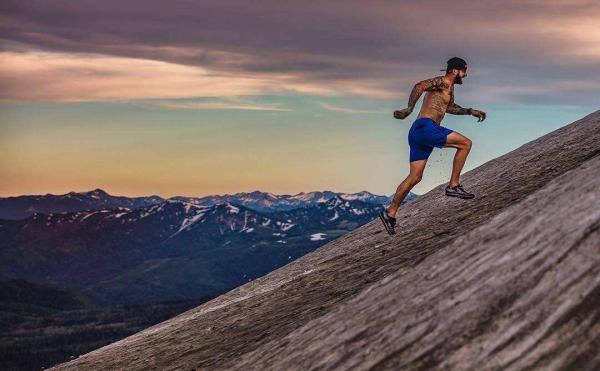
[[403, 113]]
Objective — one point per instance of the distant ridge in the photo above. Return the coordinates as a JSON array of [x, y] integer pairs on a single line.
[[21, 207], [509, 280]]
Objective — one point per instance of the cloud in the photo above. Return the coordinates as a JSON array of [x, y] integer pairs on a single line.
[[278, 47], [62, 77], [331, 107], [227, 104], [70, 77]]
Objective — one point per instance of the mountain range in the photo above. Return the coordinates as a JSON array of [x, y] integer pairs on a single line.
[[168, 249], [20, 207]]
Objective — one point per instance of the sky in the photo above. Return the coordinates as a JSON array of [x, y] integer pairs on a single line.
[[194, 98]]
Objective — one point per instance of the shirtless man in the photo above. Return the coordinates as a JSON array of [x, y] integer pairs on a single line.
[[426, 133]]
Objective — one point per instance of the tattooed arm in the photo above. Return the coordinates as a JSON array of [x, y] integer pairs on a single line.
[[455, 109], [434, 83]]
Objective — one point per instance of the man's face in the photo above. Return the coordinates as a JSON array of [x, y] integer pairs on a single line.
[[460, 75]]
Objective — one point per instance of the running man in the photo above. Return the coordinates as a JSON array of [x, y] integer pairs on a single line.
[[426, 133]]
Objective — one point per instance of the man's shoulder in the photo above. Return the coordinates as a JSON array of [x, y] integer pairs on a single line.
[[444, 81], [438, 83]]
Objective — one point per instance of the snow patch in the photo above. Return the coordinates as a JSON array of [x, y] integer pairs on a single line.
[[317, 236], [200, 211], [232, 209], [88, 215], [152, 210], [357, 211], [286, 226], [187, 222]]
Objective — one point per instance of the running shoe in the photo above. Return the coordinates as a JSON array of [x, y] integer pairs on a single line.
[[388, 222], [458, 191]]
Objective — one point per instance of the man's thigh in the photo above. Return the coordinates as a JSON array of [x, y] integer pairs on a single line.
[[456, 140]]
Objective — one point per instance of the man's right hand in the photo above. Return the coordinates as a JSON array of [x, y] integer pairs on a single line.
[[403, 113]]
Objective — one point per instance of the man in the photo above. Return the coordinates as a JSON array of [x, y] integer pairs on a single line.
[[426, 132]]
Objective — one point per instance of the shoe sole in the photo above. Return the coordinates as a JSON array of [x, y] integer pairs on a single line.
[[459, 196], [385, 224]]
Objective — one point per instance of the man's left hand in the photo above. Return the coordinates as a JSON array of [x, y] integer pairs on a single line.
[[479, 114]]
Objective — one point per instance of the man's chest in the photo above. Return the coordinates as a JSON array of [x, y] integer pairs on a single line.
[[441, 97]]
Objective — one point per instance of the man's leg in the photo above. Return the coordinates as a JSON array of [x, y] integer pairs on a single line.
[[463, 146], [414, 177]]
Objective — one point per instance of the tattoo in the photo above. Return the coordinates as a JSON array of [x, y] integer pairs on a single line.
[[454, 108], [436, 83], [438, 104]]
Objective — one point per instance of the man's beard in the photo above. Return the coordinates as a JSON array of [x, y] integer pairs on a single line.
[[458, 80]]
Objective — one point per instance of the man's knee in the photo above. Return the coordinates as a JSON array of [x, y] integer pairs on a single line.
[[414, 179], [467, 143]]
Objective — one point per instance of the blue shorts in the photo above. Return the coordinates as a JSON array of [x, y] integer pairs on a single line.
[[424, 134]]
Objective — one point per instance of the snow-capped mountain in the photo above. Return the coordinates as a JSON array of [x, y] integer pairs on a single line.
[[20, 207], [168, 250], [269, 202]]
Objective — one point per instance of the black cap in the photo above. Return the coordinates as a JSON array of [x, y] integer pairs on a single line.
[[455, 62]]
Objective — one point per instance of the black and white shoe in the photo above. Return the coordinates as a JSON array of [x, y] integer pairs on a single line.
[[458, 191], [388, 222]]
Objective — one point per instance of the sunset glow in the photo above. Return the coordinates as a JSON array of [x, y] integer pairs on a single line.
[[210, 97]]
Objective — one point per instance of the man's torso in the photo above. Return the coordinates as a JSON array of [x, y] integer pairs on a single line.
[[436, 102]]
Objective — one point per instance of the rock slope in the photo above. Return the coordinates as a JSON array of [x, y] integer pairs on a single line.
[[508, 280]]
